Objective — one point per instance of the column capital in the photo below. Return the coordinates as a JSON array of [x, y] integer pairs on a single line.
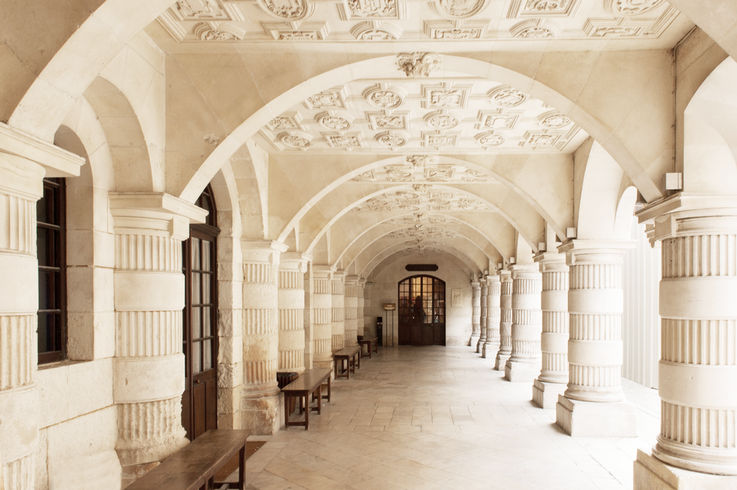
[[56, 162], [519, 270], [338, 274], [263, 250], [322, 270], [492, 278], [140, 212], [361, 281], [293, 261], [352, 279]]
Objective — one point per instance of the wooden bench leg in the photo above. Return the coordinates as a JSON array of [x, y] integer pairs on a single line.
[[286, 410], [307, 411], [242, 469]]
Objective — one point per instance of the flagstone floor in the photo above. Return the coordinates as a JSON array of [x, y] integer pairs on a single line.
[[440, 418]]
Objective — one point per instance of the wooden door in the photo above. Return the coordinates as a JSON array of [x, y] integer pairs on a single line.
[[200, 341], [421, 311]]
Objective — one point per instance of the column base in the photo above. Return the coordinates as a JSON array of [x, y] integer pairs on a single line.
[[545, 395], [479, 345], [488, 349], [474, 341], [501, 361], [261, 413], [596, 419], [520, 371], [652, 474]]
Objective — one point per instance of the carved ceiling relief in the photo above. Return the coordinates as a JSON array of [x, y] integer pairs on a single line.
[[423, 200], [425, 170]]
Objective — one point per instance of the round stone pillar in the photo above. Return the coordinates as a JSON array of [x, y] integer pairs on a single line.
[[360, 289], [484, 303], [524, 362], [148, 369], [493, 312], [351, 310], [291, 313], [698, 364], [337, 287], [261, 335], [505, 320], [595, 304], [554, 340], [475, 313], [322, 317]]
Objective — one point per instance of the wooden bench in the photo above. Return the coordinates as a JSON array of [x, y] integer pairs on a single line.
[[368, 342], [349, 355], [309, 383], [194, 466]]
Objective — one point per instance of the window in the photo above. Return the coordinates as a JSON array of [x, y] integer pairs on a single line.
[[51, 249]]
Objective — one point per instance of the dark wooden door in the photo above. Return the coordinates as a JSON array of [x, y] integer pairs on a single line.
[[421, 311], [200, 341]]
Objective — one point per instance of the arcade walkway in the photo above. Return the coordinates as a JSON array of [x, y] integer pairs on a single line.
[[440, 418]]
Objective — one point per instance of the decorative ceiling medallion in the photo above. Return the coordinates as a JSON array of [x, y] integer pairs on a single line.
[[440, 120], [445, 96], [370, 9], [215, 31], [333, 98], [384, 120], [444, 30], [438, 140], [347, 142], [531, 29], [540, 139], [287, 9], [439, 173], [286, 121], [459, 9], [536, 8], [374, 31], [507, 96], [631, 7], [398, 173], [421, 160], [488, 138], [380, 96], [294, 140], [332, 120], [202, 10], [284, 31], [496, 120], [554, 120], [418, 64], [391, 139]]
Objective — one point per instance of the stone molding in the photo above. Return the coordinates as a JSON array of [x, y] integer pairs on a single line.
[[505, 320]]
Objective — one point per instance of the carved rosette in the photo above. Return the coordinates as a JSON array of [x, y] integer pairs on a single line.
[[631, 7], [531, 29], [291, 10], [294, 140], [554, 120], [391, 139], [506, 96], [384, 97], [459, 9], [441, 120], [488, 138], [213, 31], [333, 121]]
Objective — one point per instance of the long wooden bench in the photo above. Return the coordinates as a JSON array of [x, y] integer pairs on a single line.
[[369, 342], [351, 356], [309, 383], [194, 466]]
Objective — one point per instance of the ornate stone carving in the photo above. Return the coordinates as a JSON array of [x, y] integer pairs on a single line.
[[213, 31], [488, 138], [506, 96], [430, 199], [418, 64], [540, 139], [459, 9], [199, 10], [285, 31], [374, 31], [370, 9], [284, 122], [496, 120], [294, 140], [391, 139], [441, 120], [439, 173], [327, 99], [384, 120], [554, 120], [421, 160], [344, 141], [608, 28], [287, 9], [432, 172], [384, 97], [454, 31], [631, 7], [331, 120], [527, 8], [438, 140], [445, 96], [531, 29]]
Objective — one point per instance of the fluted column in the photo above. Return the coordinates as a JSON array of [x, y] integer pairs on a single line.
[[493, 315], [322, 317], [595, 303], [23, 164], [337, 287], [698, 364], [148, 369], [484, 303], [261, 335], [524, 362], [360, 290], [505, 320], [475, 313], [554, 340], [291, 313], [351, 309]]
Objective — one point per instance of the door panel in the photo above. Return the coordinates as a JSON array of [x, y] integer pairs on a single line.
[[421, 302]]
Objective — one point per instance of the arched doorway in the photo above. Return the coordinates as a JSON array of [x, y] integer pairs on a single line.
[[199, 264], [421, 311]]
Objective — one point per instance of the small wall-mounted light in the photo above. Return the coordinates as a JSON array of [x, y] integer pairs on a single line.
[[674, 181], [541, 246], [571, 232], [512, 260]]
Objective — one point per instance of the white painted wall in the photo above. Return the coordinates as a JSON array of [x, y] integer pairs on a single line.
[[384, 290], [641, 322]]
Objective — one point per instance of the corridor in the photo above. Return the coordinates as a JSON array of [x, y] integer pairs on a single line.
[[440, 417]]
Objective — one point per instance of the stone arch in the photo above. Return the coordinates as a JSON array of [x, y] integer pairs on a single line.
[[366, 270], [124, 136]]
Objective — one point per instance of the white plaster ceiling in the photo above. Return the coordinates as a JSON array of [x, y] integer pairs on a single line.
[[449, 114], [381, 21]]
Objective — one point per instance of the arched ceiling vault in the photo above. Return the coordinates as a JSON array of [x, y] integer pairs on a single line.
[[373, 257]]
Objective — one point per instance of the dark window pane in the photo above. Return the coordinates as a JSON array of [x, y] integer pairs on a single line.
[[195, 244], [205, 255], [206, 331], [43, 332], [196, 329], [195, 288], [196, 357], [207, 354], [206, 288]]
